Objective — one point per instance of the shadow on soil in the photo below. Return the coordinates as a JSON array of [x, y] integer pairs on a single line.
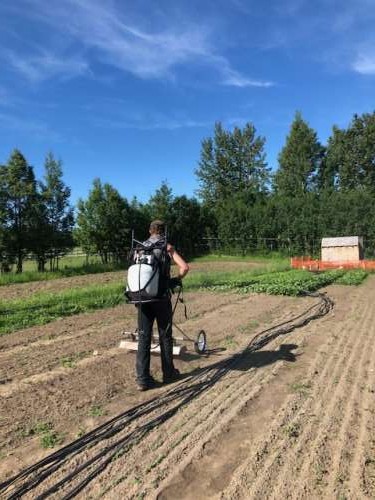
[[116, 437]]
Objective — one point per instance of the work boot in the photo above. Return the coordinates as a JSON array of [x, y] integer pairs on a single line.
[[175, 375], [147, 385]]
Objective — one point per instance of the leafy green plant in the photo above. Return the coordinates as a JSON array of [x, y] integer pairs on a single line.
[[292, 282], [96, 411], [50, 439], [353, 277], [68, 362]]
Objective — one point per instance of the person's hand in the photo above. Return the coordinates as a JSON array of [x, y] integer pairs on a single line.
[[174, 282]]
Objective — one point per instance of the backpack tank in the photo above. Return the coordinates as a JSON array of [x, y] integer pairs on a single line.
[[148, 274]]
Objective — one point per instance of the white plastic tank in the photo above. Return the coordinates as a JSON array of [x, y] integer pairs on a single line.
[[142, 277]]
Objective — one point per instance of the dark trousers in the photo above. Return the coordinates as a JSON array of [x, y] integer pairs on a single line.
[[147, 313]]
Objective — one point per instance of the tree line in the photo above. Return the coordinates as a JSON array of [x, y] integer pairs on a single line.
[[317, 190]]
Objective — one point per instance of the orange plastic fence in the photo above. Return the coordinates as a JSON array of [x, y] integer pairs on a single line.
[[320, 265]]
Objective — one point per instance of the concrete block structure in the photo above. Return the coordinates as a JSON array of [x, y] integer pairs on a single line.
[[342, 249]]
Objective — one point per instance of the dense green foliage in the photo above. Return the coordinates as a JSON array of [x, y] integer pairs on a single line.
[[36, 218], [282, 283], [317, 191], [354, 277]]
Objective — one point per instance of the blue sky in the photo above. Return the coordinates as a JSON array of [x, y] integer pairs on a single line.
[[126, 91]]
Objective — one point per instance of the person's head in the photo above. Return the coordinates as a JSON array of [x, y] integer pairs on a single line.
[[157, 227]]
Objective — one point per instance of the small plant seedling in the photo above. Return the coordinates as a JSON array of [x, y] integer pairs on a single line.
[[229, 342], [38, 428], [68, 362], [96, 411], [50, 439], [293, 430], [81, 432], [301, 388], [155, 463]]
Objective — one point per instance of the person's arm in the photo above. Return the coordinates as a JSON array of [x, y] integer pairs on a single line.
[[183, 266]]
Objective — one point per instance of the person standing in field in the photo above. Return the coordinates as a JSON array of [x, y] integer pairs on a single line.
[[161, 310]]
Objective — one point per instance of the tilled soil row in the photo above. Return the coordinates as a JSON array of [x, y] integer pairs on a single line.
[[20, 356], [197, 409], [319, 445], [38, 389]]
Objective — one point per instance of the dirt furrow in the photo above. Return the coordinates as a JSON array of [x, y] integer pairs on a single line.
[[342, 434], [262, 457], [106, 381], [224, 397], [365, 421], [25, 360], [145, 452], [193, 428], [328, 441], [235, 401], [207, 411], [187, 445], [299, 432]]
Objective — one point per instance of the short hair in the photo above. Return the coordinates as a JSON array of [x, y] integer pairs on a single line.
[[157, 227]]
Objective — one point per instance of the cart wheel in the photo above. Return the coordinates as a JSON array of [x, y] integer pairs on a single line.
[[200, 345]]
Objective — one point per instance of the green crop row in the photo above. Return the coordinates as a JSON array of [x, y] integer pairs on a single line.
[[354, 277], [292, 282]]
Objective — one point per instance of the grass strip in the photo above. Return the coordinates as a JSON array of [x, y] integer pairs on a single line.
[[28, 276], [43, 308]]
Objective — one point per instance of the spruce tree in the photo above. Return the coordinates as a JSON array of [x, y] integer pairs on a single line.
[[58, 213], [299, 160], [21, 199], [232, 162]]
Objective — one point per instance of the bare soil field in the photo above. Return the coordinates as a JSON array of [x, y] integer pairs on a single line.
[[295, 419]]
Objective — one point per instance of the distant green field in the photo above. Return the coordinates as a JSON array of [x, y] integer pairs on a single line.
[[69, 265], [256, 257], [73, 265], [66, 261]]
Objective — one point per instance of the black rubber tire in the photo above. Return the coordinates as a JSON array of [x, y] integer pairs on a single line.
[[200, 345]]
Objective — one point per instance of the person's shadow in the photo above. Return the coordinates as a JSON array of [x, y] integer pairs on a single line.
[[257, 359], [246, 360]]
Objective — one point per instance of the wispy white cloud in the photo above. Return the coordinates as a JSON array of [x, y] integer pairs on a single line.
[[365, 64], [235, 79], [44, 65], [157, 122], [109, 36]]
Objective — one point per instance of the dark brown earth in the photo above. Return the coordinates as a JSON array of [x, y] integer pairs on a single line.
[[294, 420]]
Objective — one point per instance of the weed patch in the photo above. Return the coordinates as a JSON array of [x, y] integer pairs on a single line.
[[96, 411], [301, 388], [293, 430], [49, 438]]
